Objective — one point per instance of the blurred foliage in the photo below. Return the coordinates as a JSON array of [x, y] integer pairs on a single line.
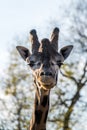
[[17, 87], [71, 97]]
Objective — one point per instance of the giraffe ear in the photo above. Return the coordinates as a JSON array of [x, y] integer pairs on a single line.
[[65, 51], [24, 52]]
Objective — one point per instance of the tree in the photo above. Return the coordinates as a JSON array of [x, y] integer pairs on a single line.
[[17, 94], [71, 99]]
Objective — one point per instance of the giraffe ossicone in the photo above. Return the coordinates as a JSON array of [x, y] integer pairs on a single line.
[[45, 61]]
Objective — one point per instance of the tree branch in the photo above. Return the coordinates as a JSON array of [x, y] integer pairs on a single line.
[[84, 74], [70, 77]]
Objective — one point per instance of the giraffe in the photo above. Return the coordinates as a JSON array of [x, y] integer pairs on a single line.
[[45, 61]]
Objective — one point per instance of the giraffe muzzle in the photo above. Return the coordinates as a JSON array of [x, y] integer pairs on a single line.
[[47, 80]]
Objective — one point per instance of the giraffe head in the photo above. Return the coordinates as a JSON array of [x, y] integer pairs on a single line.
[[45, 59]]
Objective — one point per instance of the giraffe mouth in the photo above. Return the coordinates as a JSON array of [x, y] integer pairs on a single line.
[[47, 82], [48, 86]]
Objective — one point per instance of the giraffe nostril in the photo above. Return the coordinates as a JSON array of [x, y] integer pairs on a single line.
[[46, 73], [42, 73]]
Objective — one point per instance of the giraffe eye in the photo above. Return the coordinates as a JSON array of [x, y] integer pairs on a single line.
[[59, 64], [31, 64]]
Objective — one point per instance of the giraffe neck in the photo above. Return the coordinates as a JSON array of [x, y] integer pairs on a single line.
[[41, 108]]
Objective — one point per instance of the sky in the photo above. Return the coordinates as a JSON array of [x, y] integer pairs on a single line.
[[19, 16]]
